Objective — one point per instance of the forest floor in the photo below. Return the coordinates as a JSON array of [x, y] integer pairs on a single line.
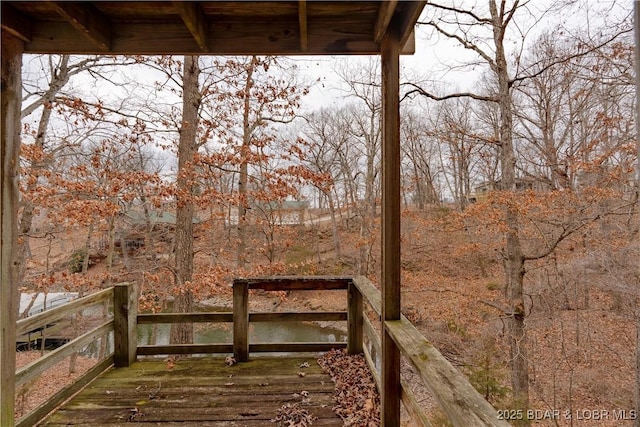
[[581, 328]]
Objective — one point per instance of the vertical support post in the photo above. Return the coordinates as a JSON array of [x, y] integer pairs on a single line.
[[11, 59], [241, 320], [390, 375], [354, 319], [125, 323]]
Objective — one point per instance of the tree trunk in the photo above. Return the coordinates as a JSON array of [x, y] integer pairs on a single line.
[[26, 218], [514, 264], [111, 249], [334, 225], [77, 320], [183, 302], [149, 242], [243, 202]]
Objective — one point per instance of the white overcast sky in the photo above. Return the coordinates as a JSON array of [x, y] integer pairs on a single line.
[[437, 60]]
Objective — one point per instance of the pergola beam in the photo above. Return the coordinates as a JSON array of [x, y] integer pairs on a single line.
[[88, 20], [400, 19], [302, 22], [194, 19]]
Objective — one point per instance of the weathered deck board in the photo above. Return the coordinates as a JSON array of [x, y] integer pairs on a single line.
[[201, 392]]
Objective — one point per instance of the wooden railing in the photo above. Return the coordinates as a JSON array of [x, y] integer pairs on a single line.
[[459, 401], [241, 318], [58, 314], [457, 398]]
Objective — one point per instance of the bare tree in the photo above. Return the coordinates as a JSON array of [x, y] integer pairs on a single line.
[[419, 148], [491, 50], [484, 31], [261, 100], [363, 83], [571, 118], [325, 138]]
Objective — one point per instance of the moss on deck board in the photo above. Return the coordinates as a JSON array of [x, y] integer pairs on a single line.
[[201, 392]]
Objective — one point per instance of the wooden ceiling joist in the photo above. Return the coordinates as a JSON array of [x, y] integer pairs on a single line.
[[385, 13], [302, 22], [88, 20], [219, 27], [405, 19], [399, 19], [194, 19], [16, 23]]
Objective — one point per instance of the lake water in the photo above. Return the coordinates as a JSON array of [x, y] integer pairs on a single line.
[[222, 333], [259, 332]]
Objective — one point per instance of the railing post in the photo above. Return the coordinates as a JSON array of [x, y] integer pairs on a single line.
[[11, 59], [354, 319], [241, 320], [125, 313]]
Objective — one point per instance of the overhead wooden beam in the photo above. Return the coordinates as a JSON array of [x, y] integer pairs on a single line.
[[15, 23], [302, 22], [399, 16], [234, 38], [194, 19], [405, 18], [409, 48], [385, 13], [88, 20], [11, 59]]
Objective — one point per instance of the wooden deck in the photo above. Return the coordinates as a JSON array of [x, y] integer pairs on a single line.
[[201, 392], [206, 392]]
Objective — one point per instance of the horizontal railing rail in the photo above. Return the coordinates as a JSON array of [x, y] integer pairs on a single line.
[[42, 322], [373, 299], [154, 318], [241, 318], [50, 316], [37, 367], [295, 283], [171, 318], [457, 398]]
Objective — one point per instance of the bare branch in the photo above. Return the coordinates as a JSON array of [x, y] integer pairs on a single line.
[[61, 74], [510, 13], [417, 89], [566, 59], [465, 43], [461, 12], [566, 232]]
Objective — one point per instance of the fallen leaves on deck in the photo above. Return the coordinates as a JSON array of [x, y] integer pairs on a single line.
[[357, 397], [292, 415]]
